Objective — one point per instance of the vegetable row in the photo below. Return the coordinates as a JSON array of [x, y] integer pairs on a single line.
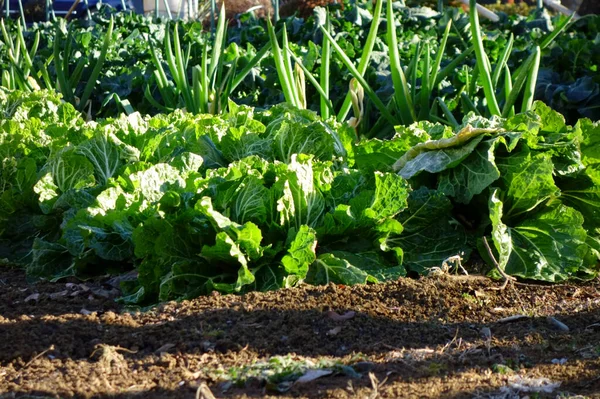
[[259, 200]]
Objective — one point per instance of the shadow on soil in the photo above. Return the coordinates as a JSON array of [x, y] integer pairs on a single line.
[[268, 332], [428, 337], [405, 348]]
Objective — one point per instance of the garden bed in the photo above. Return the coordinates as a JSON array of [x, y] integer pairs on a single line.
[[406, 338], [234, 177]]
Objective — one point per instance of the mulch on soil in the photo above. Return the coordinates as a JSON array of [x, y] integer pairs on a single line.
[[443, 336]]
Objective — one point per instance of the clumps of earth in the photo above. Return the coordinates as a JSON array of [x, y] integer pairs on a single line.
[[439, 336]]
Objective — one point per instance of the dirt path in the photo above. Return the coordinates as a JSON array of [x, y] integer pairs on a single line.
[[435, 337]]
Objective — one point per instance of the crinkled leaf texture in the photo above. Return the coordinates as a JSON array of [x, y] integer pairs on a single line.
[[472, 175], [349, 268], [430, 235], [528, 181], [549, 244], [301, 251], [434, 156]]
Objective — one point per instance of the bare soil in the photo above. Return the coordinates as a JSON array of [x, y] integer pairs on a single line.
[[437, 337]]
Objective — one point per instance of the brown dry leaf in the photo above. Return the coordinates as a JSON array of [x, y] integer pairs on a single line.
[[59, 294], [513, 318], [312, 375], [32, 297], [164, 348], [557, 324], [100, 292], [338, 317], [83, 287], [334, 331]]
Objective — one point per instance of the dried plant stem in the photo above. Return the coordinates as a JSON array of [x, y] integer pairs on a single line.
[[506, 277]]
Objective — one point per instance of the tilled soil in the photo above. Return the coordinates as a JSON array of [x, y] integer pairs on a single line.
[[443, 336]]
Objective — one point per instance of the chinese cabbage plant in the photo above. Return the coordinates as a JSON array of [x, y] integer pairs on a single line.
[[254, 200]]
